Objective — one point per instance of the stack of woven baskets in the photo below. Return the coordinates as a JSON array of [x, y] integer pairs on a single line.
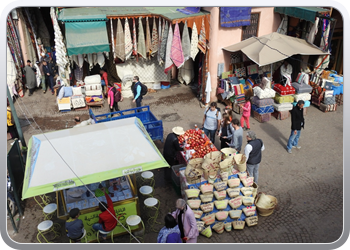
[[265, 204]]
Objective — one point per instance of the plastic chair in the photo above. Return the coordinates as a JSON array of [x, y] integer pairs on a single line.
[[146, 190], [106, 233], [134, 220], [46, 227], [152, 204], [82, 237], [49, 211]]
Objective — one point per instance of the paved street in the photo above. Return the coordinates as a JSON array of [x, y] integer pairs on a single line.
[[307, 183]]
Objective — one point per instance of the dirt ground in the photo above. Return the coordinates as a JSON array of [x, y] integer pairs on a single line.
[[307, 183]]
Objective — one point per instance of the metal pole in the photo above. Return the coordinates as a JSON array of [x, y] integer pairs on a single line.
[[11, 218], [18, 126]]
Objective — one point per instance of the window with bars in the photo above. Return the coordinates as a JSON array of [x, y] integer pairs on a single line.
[[252, 29]]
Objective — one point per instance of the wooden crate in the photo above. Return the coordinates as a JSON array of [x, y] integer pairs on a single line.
[[261, 118], [281, 115]]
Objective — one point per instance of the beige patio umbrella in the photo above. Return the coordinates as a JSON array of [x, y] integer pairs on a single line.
[[274, 47]]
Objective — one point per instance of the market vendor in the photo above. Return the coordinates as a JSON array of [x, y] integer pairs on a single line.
[[171, 147], [107, 219], [286, 71]]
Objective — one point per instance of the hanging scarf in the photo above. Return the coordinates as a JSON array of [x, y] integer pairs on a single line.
[[148, 39], [194, 41], [179, 222], [186, 43], [141, 46], [127, 41], [154, 44], [176, 53], [163, 46], [159, 37], [112, 37], [120, 42], [164, 232], [168, 63], [134, 44], [202, 43], [208, 89]]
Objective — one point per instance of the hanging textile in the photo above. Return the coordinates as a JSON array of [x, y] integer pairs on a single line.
[[159, 38], [112, 37], [189, 10], [15, 40], [154, 43], [283, 28], [313, 31], [202, 42], [235, 16], [163, 46], [148, 39], [141, 46], [186, 43], [194, 42], [134, 43], [120, 42], [11, 74], [208, 89], [176, 53], [186, 72], [323, 61], [32, 31], [168, 63], [128, 42]]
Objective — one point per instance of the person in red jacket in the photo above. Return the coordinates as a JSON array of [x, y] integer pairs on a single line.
[[107, 218]]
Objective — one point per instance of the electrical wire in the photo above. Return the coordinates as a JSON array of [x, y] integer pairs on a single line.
[[78, 176]]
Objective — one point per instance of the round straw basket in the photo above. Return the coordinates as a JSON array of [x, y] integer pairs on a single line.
[[228, 153], [266, 211]]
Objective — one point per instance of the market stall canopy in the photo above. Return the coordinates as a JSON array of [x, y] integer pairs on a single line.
[[169, 13], [94, 153], [274, 47], [304, 13], [86, 37]]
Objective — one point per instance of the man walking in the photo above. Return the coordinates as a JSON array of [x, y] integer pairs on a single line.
[[30, 77], [298, 122], [211, 121], [43, 78], [137, 91], [47, 68], [237, 138], [252, 152]]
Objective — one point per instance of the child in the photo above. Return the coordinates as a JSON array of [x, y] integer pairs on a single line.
[[229, 111], [246, 113], [74, 226], [114, 96]]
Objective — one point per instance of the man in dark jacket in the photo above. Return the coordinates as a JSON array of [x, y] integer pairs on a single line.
[[136, 90], [171, 147], [298, 122], [253, 154], [49, 74], [30, 77]]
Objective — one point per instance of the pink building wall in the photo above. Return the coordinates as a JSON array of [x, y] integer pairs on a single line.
[[221, 37]]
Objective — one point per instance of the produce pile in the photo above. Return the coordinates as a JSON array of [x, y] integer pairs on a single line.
[[201, 146]]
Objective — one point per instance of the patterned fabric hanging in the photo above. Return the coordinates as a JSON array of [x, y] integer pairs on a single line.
[[128, 42], [148, 39], [154, 44], [141, 46], [112, 37], [202, 43], [163, 46], [176, 53], [134, 43], [186, 43], [194, 42], [120, 42], [159, 37], [168, 63]]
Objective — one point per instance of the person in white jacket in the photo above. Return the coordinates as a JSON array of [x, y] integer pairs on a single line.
[[286, 71]]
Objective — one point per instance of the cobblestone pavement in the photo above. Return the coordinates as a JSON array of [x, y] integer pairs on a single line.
[[307, 183]]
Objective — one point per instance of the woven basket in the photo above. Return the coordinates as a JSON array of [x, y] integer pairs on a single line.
[[240, 161], [196, 163], [228, 153], [214, 156], [266, 211], [255, 191]]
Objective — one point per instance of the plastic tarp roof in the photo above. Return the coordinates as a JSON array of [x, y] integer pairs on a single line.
[[95, 153], [274, 47], [305, 13], [86, 37]]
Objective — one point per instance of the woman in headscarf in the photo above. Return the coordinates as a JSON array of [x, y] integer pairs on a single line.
[[184, 217], [170, 233]]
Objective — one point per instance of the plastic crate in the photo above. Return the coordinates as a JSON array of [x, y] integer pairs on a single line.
[[174, 170]]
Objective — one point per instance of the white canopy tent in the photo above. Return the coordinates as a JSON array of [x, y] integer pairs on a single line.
[[93, 153]]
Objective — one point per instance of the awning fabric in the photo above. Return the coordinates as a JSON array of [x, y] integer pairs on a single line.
[[274, 47], [94, 153], [305, 13], [86, 37]]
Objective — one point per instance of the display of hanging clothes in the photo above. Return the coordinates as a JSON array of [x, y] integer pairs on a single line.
[[194, 41], [186, 43], [202, 42], [120, 42], [127, 40], [176, 53], [168, 62], [154, 43], [159, 38], [141, 44], [112, 37], [134, 43], [163, 46], [148, 39], [208, 88]]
